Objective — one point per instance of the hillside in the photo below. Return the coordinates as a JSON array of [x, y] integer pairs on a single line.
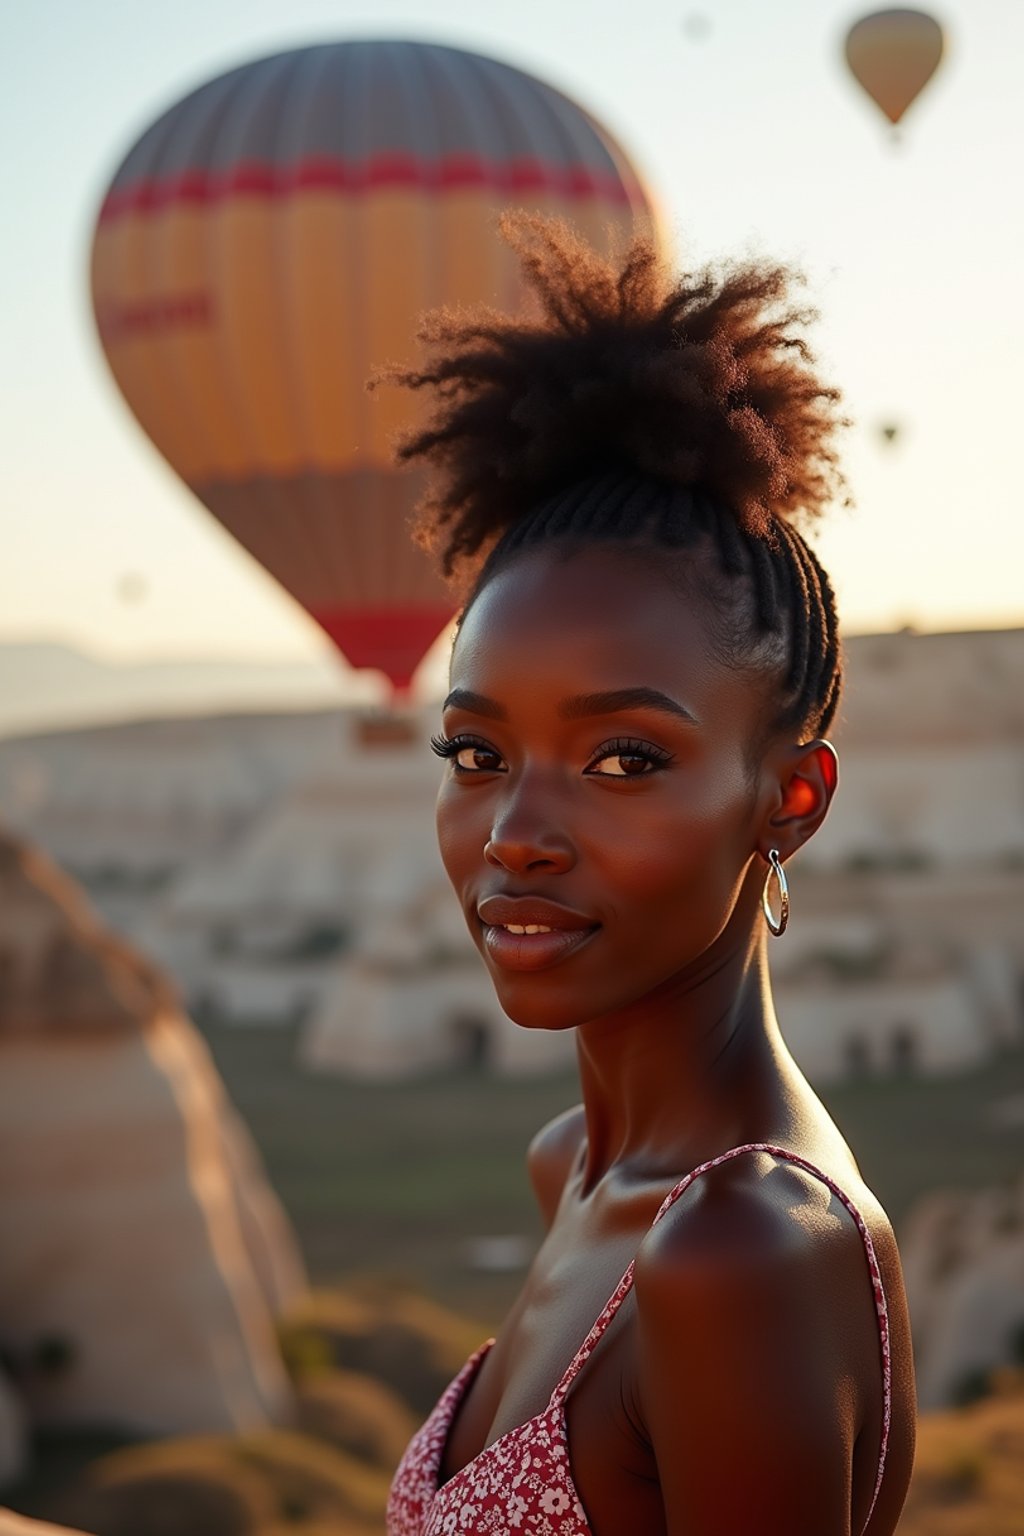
[[48, 685], [330, 1476]]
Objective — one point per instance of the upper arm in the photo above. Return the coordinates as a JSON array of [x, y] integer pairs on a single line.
[[747, 1396], [550, 1155]]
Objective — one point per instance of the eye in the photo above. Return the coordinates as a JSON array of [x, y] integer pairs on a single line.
[[472, 746], [645, 759]]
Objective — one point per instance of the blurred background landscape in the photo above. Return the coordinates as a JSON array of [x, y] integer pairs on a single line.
[[262, 1124]]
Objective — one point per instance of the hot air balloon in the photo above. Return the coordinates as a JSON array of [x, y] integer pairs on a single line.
[[273, 238], [893, 55], [132, 586], [697, 26]]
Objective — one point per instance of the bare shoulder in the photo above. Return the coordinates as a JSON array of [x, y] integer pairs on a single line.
[[755, 1289], [551, 1154], [752, 1213]]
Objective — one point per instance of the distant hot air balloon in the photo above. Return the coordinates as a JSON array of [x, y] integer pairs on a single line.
[[274, 237], [890, 431], [132, 586], [893, 55], [697, 26]]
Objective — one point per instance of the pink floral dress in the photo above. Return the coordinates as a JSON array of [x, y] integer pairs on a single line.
[[521, 1485]]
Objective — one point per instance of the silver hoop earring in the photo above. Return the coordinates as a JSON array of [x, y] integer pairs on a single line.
[[776, 869]]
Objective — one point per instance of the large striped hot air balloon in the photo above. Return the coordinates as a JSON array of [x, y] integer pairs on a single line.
[[273, 238]]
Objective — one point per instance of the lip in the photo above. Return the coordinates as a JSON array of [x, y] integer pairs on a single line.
[[498, 909], [532, 951]]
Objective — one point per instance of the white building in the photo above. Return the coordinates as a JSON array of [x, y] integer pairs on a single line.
[[285, 867], [414, 995], [128, 809]]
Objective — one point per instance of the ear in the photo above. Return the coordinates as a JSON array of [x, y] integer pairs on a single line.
[[807, 781]]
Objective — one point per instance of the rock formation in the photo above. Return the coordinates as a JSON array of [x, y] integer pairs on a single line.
[[145, 1258], [963, 1264]]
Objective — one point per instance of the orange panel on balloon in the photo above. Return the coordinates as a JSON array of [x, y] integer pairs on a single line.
[[132, 313], [399, 255], [188, 350], [245, 267], [320, 286], [471, 255]]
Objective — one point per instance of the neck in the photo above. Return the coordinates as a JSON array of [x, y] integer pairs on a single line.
[[691, 1069]]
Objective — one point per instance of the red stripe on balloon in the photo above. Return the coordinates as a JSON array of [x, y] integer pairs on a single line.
[[147, 317], [260, 178], [394, 640]]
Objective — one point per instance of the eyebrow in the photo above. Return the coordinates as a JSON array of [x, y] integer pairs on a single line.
[[616, 701]]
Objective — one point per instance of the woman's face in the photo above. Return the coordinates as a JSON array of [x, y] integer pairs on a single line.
[[642, 820]]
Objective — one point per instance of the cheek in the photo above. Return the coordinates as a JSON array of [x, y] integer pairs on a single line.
[[682, 869], [462, 831]]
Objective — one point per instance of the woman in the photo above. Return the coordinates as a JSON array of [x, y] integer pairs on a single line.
[[645, 670]]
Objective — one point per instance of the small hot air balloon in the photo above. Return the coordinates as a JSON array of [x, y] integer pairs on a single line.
[[890, 431], [273, 238], [697, 26], [893, 55], [132, 586]]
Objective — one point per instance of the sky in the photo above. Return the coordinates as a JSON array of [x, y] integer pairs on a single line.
[[753, 138]]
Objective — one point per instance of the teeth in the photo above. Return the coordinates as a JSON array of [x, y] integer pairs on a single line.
[[525, 928]]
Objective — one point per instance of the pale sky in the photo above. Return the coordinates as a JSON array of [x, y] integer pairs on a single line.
[[753, 138]]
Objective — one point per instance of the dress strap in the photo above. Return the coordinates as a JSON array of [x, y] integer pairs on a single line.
[[625, 1285]]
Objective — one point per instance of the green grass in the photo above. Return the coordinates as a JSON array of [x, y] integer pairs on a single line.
[[392, 1178], [912, 1135]]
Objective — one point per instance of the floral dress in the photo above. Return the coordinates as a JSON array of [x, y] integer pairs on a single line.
[[521, 1485]]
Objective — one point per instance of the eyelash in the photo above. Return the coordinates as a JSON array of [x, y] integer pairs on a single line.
[[622, 746]]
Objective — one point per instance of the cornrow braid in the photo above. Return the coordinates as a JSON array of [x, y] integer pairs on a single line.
[[800, 651], [677, 413], [791, 594], [830, 683]]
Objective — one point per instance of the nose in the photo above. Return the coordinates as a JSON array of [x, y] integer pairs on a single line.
[[523, 838]]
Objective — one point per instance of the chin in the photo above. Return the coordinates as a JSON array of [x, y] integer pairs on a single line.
[[540, 1011]]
